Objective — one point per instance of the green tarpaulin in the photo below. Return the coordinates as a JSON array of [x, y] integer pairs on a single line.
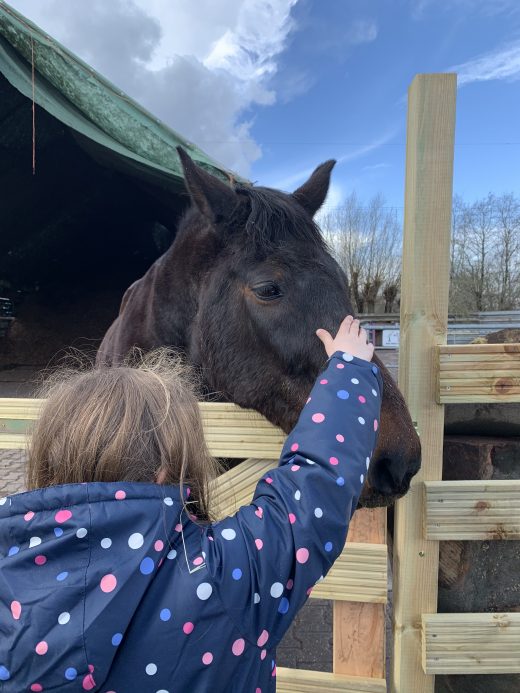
[[112, 127]]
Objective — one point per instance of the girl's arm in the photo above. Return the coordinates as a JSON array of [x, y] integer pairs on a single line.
[[265, 559]]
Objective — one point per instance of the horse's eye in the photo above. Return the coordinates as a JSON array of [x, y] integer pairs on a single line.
[[267, 291]]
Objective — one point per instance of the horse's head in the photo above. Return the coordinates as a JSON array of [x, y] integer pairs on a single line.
[[269, 281]]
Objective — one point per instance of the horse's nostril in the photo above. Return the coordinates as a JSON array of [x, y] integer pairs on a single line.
[[381, 478]]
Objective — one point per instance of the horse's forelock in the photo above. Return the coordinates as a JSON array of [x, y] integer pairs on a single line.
[[273, 217]]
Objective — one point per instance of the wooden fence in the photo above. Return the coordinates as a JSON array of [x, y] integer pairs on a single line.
[[430, 374]]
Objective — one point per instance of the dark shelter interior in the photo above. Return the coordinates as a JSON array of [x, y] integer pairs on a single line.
[[72, 237]]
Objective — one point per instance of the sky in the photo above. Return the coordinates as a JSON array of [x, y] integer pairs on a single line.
[[271, 88]]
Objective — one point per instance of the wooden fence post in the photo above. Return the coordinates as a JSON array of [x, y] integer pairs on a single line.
[[424, 317]]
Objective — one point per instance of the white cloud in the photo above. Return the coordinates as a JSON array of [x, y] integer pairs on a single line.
[[502, 63], [335, 197], [198, 66], [488, 8], [362, 31]]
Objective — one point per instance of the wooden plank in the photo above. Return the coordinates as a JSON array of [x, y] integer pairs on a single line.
[[472, 510], [423, 320], [484, 643], [304, 681], [455, 349], [230, 431], [360, 573], [359, 626]]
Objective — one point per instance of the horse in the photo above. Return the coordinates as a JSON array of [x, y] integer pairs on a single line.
[[241, 291]]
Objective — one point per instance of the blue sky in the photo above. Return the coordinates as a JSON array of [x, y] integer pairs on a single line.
[[353, 103], [271, 88]]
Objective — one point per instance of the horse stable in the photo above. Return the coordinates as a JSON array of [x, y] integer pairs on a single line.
[[92, 190]]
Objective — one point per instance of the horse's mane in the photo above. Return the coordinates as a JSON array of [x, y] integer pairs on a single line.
[[275, 217]]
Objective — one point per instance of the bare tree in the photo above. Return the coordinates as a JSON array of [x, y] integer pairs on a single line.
[[367, 243]]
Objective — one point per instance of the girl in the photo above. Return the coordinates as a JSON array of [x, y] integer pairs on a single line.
[[111, 583]]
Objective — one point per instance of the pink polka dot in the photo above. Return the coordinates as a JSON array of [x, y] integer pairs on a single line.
[[294, 447], [292, 518], [198, 561], [302, 555], [16, 610], [28, 516], [188, 627], [340, 365], [108, 583], [289, 584], [41, 648], [88, 682], [334, 460], [62, 516], [36, 687], [268, 480], [259, 512], [259, 543], [178, 527], [120, 495], [318, 418], [264, 637], [361, 399], [273, 673], [188, 491], [375, 424], [295, 467], [238, 647], [309, 591], [340, 438], [207, 658], [258, 690], [324, 381], [91, 668], [159, 545], [40, 560], [263, 654]]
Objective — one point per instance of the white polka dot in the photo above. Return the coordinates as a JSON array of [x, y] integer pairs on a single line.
[[171, 554], [297, 495], [361, 478], [256, 598], [229, 534], [151, 669], [168, 500], [34, 541], [204, 591], [318, 512], [136, 540], [204, 555], [64, 618], [106, 543], [163, 690], [368, 462], [276, 589], [347, 357], [319, 579], [355, 381], [82, 532], [3, 500], [374, 392], [361, 419], [310, 462]]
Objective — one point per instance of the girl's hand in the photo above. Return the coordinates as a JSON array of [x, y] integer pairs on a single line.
[[350, 338]]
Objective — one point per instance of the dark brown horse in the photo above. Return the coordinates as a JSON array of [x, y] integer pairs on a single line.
[[241, 291]]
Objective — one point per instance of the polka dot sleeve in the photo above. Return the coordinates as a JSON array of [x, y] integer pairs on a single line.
[[265, 560]]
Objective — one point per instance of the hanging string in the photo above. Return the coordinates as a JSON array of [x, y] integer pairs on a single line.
[[33, 114]]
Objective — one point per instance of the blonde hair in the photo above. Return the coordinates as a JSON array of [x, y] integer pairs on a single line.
[[137, 422]]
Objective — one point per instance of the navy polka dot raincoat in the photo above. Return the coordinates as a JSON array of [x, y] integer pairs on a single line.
[[111, 587]]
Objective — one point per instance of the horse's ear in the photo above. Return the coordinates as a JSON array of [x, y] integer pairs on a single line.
[[213, 197], [311, 195]]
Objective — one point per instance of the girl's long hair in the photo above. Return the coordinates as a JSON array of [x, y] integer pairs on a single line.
[[137, 422]]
